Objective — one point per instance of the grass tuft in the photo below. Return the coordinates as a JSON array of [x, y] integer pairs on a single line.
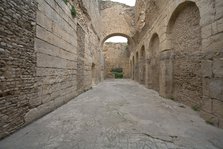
[[196, 107], [73, 11]]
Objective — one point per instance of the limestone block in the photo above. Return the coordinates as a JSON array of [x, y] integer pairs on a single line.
[[219, 9], [205, 84], [69, 37], [54, 40], [35, 101], [206, 31], [31, 115], [216, 89], [44, 60], [44, 47], [45, 98], [206, 43], [207, 68], [214, 28], [207, 13], [43, 21], [220, 25], [218, 67], [207, 104], [218, 108], [216, 43], [58, 102], [209, 118]]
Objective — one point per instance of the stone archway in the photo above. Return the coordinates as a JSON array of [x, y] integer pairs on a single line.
[[131, 42], [185, 34], [116, 55], [154, 68]]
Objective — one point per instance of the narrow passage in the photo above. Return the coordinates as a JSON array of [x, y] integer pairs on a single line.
[[118, 114]]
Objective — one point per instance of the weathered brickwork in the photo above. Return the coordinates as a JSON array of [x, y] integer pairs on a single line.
[[17, 62], [46, 58], [116, 56], [189, 52], [80, 58]]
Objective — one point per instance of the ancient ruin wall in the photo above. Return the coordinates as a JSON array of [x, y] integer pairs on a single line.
[[186, 42], [46, 59], [154, 67], [116, 56], [200, 60], [56, 51], [17, 63]]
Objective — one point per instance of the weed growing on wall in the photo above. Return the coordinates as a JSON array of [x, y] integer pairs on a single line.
[[72, 10]]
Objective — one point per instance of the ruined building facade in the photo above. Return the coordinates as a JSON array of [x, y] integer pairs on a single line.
[[179, 52], [49, 56]]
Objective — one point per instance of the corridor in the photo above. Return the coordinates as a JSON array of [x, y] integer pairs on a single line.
[[118, 114]]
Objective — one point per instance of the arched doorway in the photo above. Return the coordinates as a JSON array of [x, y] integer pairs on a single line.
[[116, 54], [154, 67], [185, 34]]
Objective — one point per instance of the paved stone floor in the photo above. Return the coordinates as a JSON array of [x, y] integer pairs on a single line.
[[118, 114]]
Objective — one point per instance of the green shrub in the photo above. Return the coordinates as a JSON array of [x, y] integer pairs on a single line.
[[117, 72], [120, 70], [73, 11], [65, 1], [118, 75]]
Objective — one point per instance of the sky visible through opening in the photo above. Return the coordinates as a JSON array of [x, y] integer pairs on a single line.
[[117, 39], [120, 39], [127, 2]]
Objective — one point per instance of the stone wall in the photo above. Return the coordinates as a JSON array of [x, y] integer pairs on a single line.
[[48, 57], [116, 56], [17, 63], [189, 52]]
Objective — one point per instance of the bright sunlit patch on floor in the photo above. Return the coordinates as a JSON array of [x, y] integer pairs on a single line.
[[116, 39]]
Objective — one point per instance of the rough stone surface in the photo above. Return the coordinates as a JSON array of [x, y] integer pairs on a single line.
[[189, 61], [116, 56], [46, 57], [17, 63], [111, 115]]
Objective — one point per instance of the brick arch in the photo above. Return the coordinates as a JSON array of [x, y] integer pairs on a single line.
[[153, 67], [116, 18], [131, 42], [184, 33], [174, 13]]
